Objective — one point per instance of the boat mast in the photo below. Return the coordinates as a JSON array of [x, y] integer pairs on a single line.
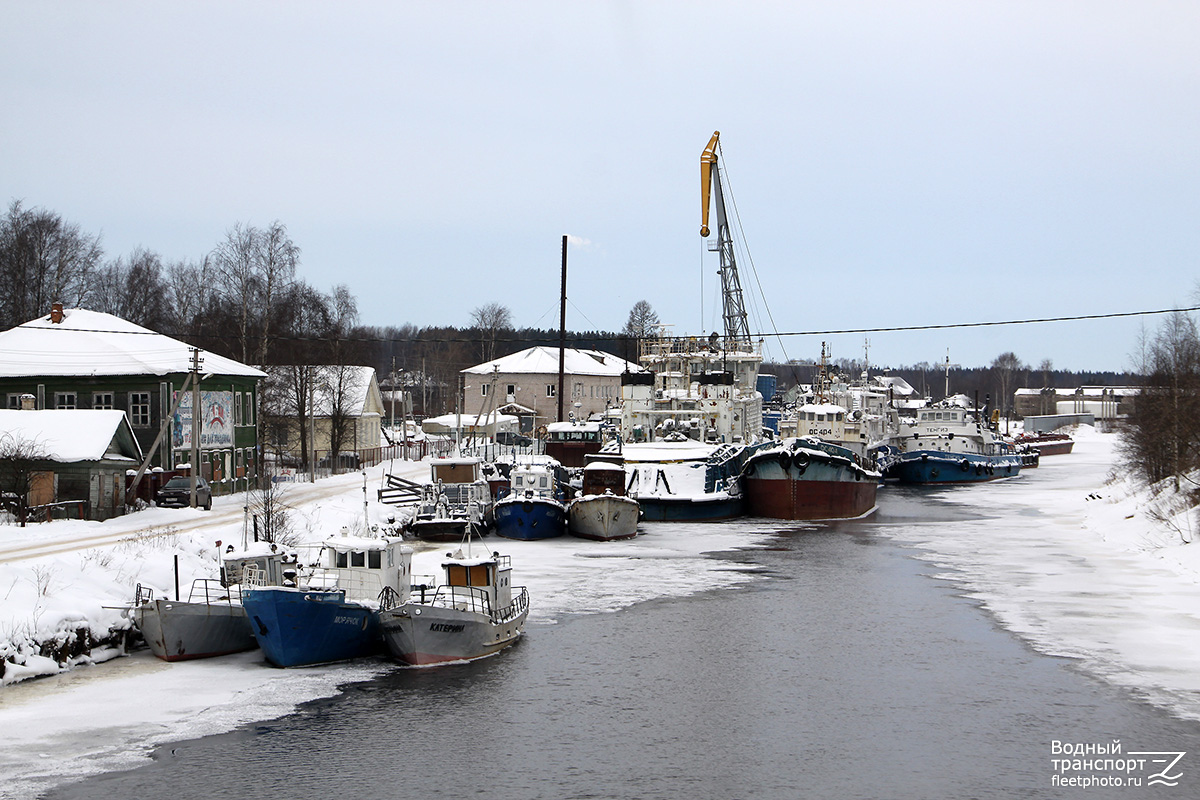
[[737, 330]]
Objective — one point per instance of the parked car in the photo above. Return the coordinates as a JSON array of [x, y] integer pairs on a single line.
[[178, 492], [510, 438], [345, 461]]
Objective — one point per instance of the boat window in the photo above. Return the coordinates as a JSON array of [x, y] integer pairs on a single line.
[[358, 559], [517, 482], [341, 559], [375, 559], [820, 417], [542, 482], [838, 417]]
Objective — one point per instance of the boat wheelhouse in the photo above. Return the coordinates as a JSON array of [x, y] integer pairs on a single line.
[[333, 612], [570, 443], [472, 613]]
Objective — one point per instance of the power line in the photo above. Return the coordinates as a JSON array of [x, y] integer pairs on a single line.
[[611, 336]]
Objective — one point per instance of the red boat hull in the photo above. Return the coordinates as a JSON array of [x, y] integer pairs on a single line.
[[800, 499]]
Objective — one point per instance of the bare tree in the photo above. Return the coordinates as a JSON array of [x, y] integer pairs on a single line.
[[1007, 369], [187, 292], [43, 259], [269, 505], [20, 463], [1162, 437], [278, 257], [235, 263], [490, 319], [133, 289]]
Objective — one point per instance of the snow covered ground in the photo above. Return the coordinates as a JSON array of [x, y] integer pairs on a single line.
[[1076, 565], [1081, 567], [95, 718]]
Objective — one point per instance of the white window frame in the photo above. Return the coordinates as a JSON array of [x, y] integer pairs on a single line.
[[137, 407]]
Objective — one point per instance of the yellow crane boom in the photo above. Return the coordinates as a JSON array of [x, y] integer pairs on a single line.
[[708, 163]]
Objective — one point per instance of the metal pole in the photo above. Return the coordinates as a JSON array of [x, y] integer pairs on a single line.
[[562, 329], [196, 412]]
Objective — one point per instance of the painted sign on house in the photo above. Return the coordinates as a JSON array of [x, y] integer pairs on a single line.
[[216, 424]]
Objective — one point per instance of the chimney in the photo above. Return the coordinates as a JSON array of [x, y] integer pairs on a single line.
[[56, 313], [28, 402]]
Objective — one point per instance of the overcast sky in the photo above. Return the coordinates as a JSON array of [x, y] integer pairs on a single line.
[[892, 164]]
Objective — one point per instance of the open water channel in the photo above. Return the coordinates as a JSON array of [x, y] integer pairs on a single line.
[[849, 672]]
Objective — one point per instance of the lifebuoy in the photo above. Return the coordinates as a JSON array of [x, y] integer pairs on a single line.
[[964, 465], [785, 461]]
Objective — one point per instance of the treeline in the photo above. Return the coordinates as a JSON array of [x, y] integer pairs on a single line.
[[246, 300], [1162, 435]]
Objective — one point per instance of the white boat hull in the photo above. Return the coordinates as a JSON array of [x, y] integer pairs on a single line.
[[603, 517]]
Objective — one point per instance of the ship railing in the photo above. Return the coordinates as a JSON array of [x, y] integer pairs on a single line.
[[514, 609], [210, 590], [463, 598], [359, 585], [143, 595]]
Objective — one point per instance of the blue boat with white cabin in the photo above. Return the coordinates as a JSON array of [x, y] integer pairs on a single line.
[[948, 444], [532, 508], [332, 614]]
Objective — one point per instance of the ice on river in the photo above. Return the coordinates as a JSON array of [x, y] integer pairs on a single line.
[[1078, 568]]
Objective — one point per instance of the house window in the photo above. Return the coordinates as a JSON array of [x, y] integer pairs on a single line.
[[511, 389], [577, 391], [237, 408], [483, 389], [14, 401], [248, 413], [102, 400], [64, 400], [551, 390], [139, 409]]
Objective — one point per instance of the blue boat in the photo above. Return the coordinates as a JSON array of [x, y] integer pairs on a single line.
[[948, 444], [531, 509], [333, 612]]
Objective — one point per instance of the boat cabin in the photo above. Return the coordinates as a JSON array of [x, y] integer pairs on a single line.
[[602, 476], [569, 443], [533, 479], [267, 566], [472, 580], [457, 470], [365, 567]]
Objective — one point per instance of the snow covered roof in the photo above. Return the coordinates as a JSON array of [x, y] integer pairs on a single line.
[[91, 343], [69, 435], [544, 360], [897, 384]]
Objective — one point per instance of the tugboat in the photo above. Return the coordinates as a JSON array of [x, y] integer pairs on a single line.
[[332, 614], [531, 509], [212, 621], [602, 511], [949, 443], [808, 479], [471, 615], [457, 503]]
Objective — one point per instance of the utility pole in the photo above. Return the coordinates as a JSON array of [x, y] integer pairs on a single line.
[[562, 329], [196, 413]]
